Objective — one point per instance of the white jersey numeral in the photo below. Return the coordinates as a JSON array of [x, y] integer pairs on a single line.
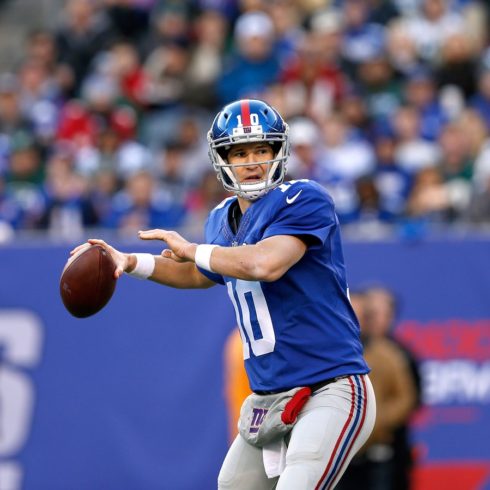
[[253, 317], [286, 185], [254, 119]]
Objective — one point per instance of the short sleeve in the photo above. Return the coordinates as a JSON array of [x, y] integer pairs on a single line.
[[218, 278], [305, 210]]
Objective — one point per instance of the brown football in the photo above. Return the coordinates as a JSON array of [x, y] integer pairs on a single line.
[[87, 281]]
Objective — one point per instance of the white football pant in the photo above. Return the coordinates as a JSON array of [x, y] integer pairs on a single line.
[[332, 426]]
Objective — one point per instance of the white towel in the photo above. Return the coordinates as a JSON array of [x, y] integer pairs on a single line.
[[274, 456]]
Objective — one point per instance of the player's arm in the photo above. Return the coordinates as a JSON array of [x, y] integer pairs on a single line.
[[267, 260], [184, 275]]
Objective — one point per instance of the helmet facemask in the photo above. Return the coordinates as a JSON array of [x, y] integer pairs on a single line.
[[276, 170]]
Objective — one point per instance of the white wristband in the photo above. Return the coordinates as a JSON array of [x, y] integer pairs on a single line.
[[203, 256], [145, 265]]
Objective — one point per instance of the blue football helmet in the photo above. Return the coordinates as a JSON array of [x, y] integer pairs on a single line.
[[245, 121]]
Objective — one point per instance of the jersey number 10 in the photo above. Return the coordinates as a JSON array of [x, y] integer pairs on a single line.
[[253, 317]]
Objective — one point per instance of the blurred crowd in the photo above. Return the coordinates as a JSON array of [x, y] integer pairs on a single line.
[[103, 120]]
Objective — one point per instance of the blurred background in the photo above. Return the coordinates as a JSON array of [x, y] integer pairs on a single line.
[[104, 109]]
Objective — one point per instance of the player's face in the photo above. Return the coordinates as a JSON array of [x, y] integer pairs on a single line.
[[247, 158]]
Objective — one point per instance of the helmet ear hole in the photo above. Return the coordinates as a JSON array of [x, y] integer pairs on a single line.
[[276, 146], [223, 152]]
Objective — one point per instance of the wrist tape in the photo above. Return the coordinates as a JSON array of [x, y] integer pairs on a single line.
[[203, 256], [145, 265]]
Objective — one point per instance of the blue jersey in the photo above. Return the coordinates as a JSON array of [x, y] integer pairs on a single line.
[[300, 329]]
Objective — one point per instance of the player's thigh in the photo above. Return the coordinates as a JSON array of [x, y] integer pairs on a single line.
[[332, 427], [243, 468]]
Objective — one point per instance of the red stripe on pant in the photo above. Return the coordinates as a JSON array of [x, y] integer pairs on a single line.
[[341, 436], [356, 435]]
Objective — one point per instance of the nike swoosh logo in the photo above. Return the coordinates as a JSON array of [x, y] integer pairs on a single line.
[[290, 200]]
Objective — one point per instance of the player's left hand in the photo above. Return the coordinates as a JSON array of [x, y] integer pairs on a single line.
[[180, 249]]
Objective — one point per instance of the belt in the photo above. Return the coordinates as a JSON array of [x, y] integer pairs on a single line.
[[321, 384], [314, 387]]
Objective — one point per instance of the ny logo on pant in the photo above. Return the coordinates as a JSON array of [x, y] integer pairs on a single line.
[[257, 419]]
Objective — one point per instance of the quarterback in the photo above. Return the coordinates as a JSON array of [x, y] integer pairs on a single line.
[[275, 245]]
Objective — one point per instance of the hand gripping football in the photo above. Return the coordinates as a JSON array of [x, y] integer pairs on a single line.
[[87, 282]]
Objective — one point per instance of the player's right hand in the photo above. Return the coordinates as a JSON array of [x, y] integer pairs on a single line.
[[122, 260]]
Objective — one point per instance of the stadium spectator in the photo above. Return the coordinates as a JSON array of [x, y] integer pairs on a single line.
[[10, 211], [128, 75], [206, 61], [413, 153], [392, 182], [353, 108], [68, 209], [457, 67], [345, 158], [201, 200], [40, 47], [24, 177], [254, 64], [481, 100], [129, 20], [345, 155], [478, 210], [401, 48], [306, 149], [190, 136], [384, 463], [287, 20], [362, 39], [171, 172], [12, 118], [429, 199], [476, 135], [166, 68], [39, 99], [381, 317], [102, 187], [382, 11], [82, 33], [378, 85], [169, 24], [431, 26], [143, 204], [455, 161], [420, 92], [313, 81]]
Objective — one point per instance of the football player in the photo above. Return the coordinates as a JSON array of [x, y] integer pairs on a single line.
[[276, 247]]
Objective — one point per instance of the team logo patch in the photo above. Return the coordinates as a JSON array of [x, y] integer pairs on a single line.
[[257, 419], [241, 130]]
